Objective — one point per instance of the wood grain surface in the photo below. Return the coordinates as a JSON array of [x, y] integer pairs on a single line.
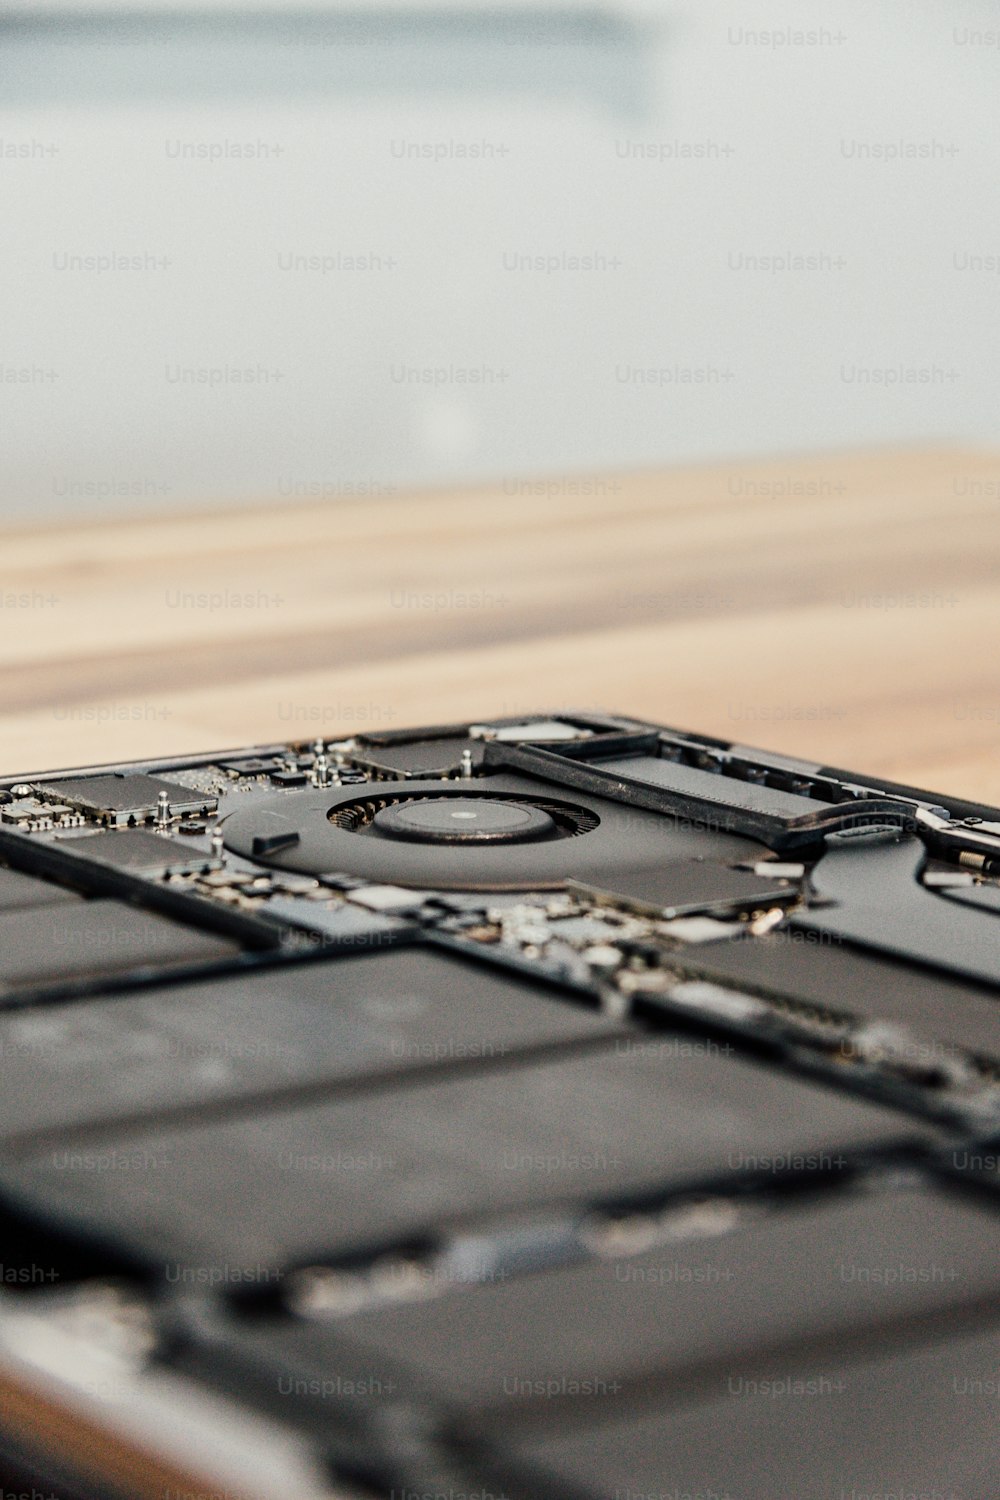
[[839, 607]]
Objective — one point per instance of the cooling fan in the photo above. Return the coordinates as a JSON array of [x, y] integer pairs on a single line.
[[495, 833]]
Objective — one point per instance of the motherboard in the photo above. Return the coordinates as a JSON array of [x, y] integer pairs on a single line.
[[555, 1108]]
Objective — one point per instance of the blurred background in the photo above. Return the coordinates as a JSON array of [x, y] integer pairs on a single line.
[[456, 242], [710, 296]]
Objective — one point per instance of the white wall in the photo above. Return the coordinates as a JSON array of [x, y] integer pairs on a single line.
[[534, 370]]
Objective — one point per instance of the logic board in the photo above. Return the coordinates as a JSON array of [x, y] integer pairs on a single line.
[[505, 1108]]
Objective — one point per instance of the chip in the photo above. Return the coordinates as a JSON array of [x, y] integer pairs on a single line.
[[142, 853], [419, 757], [123, 799], [683, 885]]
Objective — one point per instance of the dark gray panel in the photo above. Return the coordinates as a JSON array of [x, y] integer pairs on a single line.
[[88, 940], [877, 900], [910, 1423], [817, 968], [728, 791], [982, 897], [689, 884], [292, 1184], [831, 1268], [18, 890], [229, 1038]]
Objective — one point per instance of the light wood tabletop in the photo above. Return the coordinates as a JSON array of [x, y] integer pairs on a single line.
[[840, 607]]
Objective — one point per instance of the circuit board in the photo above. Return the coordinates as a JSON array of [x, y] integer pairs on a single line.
[[515, 1108]]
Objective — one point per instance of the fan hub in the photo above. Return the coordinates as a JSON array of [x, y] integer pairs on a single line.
[[464, 820]]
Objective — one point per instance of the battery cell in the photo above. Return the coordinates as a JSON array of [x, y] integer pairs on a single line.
[[296, 1183], [898, 1421], [341, 1021], [78, 941], [839, 1264]]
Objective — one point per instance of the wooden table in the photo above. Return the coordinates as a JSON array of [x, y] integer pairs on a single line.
[[839, 607]]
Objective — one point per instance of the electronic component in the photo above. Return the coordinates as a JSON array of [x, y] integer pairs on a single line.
[[502, 833], [32, 815], [417, 758], [815, 970], [712, 786], [252, 765], [125, 798], [395, 899], [289, 778], [149, 854], [679, 886], [473, 1107]]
